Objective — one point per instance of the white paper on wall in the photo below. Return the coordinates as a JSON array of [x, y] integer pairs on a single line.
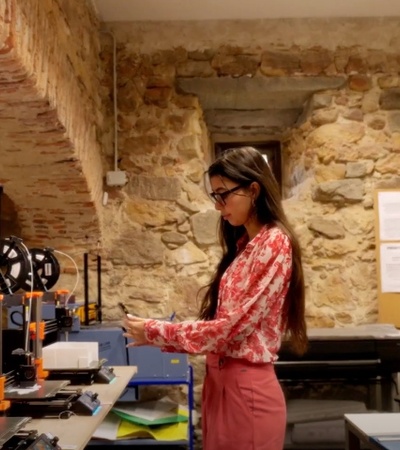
[[390, 267], [389, 215]]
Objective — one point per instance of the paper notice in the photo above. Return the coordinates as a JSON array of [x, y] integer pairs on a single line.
[[390, 267], [389, 215]]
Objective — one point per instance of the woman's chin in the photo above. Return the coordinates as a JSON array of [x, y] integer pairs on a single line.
[[233, 222]]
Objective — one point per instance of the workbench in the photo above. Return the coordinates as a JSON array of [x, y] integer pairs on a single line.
[[374, 431], [75, 432]]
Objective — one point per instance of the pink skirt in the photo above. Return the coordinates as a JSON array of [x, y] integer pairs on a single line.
[[243, 406]]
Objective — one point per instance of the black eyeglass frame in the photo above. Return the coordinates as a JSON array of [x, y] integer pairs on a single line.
[[219, 197]]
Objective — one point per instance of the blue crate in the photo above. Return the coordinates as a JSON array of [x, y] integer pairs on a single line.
[[153, 363]]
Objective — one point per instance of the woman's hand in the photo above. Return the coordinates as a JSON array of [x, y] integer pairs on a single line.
[[134, 327]]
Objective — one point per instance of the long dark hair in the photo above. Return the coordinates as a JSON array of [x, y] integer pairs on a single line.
[[246, 165]]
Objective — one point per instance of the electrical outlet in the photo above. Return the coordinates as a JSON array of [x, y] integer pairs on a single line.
[[116, 178]]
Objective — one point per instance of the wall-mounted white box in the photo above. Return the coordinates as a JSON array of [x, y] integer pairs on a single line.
[[71, 355], [116, 178]]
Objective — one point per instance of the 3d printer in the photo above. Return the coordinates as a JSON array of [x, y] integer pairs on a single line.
[[25, 389], [12, 436]]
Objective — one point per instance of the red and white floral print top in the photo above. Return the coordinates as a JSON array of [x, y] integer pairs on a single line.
[[248, 322]]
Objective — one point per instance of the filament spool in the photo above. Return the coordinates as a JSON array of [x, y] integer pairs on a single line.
[[14, 265], [46, 270]]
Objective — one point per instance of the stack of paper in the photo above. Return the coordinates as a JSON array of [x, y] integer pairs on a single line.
[[170, 432], [162, 420], [159, 412]]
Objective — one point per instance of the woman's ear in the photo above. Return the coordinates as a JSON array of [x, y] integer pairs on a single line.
[[255, 190]]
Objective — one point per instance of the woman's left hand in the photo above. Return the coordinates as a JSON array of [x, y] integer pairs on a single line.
[[134, 327]]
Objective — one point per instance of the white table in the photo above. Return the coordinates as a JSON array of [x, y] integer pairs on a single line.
[[74, 433], [360, 428]]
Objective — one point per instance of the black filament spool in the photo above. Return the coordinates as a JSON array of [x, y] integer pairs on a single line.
[[46, 270], [14, 265]]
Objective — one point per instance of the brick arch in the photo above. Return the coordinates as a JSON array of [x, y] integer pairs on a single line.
[[50, 164]]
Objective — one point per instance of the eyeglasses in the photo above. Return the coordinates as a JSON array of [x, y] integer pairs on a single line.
[[220, 197]]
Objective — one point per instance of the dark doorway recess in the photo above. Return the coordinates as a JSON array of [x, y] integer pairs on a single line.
[[271, 150]]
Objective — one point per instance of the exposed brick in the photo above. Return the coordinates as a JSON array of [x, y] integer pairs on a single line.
[[377, 61], [275, 63], [235, 65], [47, 99], [360, 83], [357, 64], [315, 61]]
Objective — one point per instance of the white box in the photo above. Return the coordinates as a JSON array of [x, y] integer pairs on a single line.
[[71, 355], [116, 178]]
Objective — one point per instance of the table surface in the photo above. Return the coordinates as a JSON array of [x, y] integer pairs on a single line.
[[379, 431], [74, 433], [369, 331], [375, 424]]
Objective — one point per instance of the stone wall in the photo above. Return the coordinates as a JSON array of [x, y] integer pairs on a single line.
[[347, 146], [159, 243], [162, 233], [344, 145]]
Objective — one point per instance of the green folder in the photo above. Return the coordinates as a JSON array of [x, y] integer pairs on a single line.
[[158, 412], [161, 421]]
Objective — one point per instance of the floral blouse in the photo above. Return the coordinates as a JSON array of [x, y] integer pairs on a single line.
[[248, 322]]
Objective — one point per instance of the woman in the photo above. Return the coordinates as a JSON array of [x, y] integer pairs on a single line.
[[254, 299]]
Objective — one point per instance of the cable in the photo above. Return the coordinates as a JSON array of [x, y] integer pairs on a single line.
[[12, 318], [66, 414], [30, 264], [29, 311], [115, 97], [5, 282], [77, 274]]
